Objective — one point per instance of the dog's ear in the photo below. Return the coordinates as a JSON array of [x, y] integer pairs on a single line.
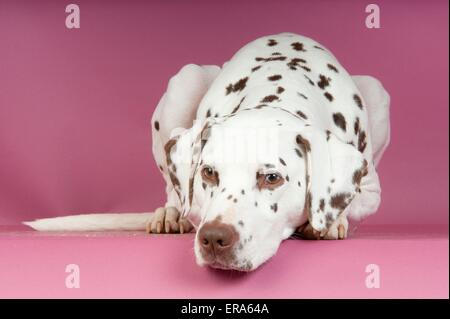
[[333, 175], [183, 153]]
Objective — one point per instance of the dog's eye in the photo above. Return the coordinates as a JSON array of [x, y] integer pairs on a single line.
[[269, 181], [209, 175], [272, 178]]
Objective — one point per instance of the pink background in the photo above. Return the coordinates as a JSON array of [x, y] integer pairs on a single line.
[[75, 105]]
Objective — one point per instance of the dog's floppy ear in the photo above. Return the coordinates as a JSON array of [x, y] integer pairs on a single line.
[[183, 155], [333, 175]]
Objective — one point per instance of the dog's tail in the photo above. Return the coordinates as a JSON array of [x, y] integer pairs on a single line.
[[92, 222]]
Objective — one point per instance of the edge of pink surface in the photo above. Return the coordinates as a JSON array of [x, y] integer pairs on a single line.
[[413, 263]]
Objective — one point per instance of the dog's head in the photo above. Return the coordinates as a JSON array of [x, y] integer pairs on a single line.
[[247, 181]]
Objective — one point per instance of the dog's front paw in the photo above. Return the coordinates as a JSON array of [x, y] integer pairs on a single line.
[[338, 230], [167, 220]]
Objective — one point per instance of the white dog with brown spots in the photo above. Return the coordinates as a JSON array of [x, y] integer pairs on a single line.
[[279, 141]]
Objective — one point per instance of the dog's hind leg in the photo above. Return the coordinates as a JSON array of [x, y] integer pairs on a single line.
[[377, 101], [175, 112]]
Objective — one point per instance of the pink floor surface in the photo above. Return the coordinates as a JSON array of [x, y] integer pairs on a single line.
[[413, 262]]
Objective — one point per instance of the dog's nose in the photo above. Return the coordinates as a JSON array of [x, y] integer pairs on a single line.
[[217, 239]]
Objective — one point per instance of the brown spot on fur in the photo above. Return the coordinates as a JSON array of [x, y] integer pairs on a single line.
[[339, 201], [191, 189], [304, 143], [238, 106], [360, 173], [156, 125], [297, 46], [272, 42], [299, 154], [328, 96], [295, 63], [309, 80], [280, 90], [302, 115], [358, 101], [302, 95], [174, 179], [275, 58], [332, 67], [320, 48], [339, 120], [362, 141], [275, 77], [328, 132], [356, 126], [236, 87], [282, 161], [274, 207], [305, 68], [256, 68], [322, 205], [167, 148], [216, 177], [269, 98], [276, 53], [323, 81], [208, 113]]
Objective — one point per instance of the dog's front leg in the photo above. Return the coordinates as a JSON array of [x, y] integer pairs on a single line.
[[176, 110]]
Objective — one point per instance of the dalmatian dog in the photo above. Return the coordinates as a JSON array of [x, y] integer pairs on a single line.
[[280, 141]]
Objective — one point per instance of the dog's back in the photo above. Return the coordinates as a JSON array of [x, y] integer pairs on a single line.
[[295, 73]]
